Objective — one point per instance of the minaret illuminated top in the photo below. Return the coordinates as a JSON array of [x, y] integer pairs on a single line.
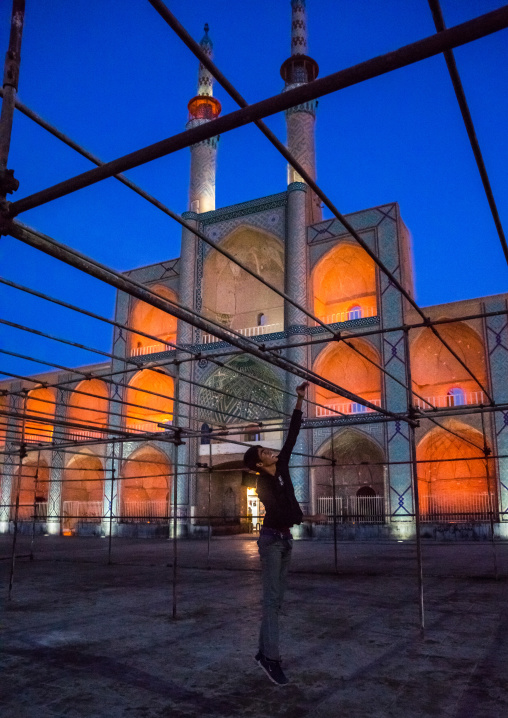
[[203, 108], [297, 70]]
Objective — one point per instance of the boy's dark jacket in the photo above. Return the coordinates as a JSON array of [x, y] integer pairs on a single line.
[[277, 493]]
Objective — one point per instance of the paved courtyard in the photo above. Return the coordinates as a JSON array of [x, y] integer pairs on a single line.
[[83, 639]]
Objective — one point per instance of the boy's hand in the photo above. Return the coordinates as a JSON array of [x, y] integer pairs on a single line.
[[301, 389]]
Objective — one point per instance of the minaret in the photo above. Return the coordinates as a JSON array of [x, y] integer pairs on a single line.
[[203, 108], [300, 120]]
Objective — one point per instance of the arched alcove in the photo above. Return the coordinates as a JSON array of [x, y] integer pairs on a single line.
[[234, 298], [40, 405], [33, 488], [456, 477], [264, 389], [343, 366], [89, 408], [145, 485], [152, 321], [149, 410], [359, 477], [4, 406], [436, 372], [344, 277], [82, 490]]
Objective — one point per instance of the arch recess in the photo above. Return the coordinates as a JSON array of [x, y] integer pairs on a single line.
[[91, 411], [149, 411], [243, 391], [436, 372], [461, 485], [4, 406], [40, 405], [152, 321], [82, 490], [345, 367], [33, 488], [146, 485], [343, 277], [234, 298]]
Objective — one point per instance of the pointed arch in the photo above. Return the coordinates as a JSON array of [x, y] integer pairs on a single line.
[[454, 485], [82, 490], [33, 488], [149, 410], [340, 364], [436, 372], [153, 321], [345, 276], [91, 411], [40, 404], [234, 298], [146, 485]]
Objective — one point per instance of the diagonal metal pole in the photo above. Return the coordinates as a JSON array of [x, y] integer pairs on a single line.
[[468, 122]]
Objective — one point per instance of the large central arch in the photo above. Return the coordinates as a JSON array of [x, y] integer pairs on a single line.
[[145, 485], [82, 490]]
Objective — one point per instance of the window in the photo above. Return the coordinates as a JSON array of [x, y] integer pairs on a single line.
[[262, 320], [253, 434], [456, 396], [205, 434], [354, 312]]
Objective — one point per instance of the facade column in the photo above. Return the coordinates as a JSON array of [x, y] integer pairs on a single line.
[[56, 474], [296, 321], [497, 348], [11, 459]]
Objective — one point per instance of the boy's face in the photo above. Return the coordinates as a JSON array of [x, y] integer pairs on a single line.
[[267, 457]]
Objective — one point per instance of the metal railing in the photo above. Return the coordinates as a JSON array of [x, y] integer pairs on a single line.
[[353, 509], [81, 434], [457, 507], [144, 511], [349, 407], [151, 349], [90, 511], [446, 400], [147, 426], [247, 332], [26, 511], [349, 315]]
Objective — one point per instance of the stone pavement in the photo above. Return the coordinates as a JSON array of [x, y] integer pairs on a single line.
[[82, 639]]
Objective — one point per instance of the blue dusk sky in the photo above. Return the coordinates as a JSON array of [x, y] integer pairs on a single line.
[[115, 78]]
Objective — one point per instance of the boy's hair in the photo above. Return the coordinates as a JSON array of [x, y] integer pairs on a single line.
[[251, 457]]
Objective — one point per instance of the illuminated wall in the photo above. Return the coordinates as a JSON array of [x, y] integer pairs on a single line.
[[82, 490], [152, 321], [445, 484], [41, 404], [149, 410], [343, 366], [233, 297], [343, 279], [145, 480], [30, 490], [435, 371], [4, 406], [91, 411]]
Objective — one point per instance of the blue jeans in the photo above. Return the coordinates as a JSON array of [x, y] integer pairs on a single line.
[[275, 554]]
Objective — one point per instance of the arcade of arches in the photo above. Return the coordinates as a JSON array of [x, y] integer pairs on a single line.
[[145, 487], [149, 410], [40, 404], [342, 365], [152, 321], [453, 485], [90, 411], [344, 280], [234, 298]]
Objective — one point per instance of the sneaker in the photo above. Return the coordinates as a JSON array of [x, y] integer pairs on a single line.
[[272, 670]]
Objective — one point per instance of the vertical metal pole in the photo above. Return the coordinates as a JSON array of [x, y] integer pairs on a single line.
[[414, 479], [178, 442], [22, 454], [111, 499], [10, 87], [334, 499], [209, 500], [34, 518], [487, 453]]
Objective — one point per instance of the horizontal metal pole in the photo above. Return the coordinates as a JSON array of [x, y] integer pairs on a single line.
[[415, 52]]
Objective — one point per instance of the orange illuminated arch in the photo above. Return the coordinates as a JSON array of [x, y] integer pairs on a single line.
[[436, 372], [343, 366], [82, 490], [344, 277], [40, 404], [152, 321], [4, 406], [145, 485], [33, 489], [91, 411], [453, 485], [149, 410]]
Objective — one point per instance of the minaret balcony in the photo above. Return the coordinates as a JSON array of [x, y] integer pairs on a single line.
[[349, 407], [248, 332]]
